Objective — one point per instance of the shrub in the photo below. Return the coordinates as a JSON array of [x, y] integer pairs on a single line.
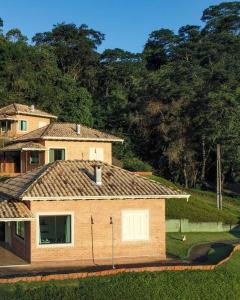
[[136, 165]]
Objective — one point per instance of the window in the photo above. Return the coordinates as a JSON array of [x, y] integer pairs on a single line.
[[96, 154], [34, 157], [55, 229], [135, 225], [22, 125], [56, 154], [5, 126], [20, 229], [41, 124]]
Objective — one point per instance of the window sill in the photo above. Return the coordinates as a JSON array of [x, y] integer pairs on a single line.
[[55, 245]]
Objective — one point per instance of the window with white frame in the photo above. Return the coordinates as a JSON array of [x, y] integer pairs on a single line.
[[22, 125], [96, 154], [20, 229], [55, 229], [135, 225]]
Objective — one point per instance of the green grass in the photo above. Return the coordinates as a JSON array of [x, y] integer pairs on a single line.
[[201, 206], [222, 283], [178, 248]]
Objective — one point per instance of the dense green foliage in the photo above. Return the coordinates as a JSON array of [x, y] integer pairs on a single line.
[[201, 206], [172, 103], [222, 283]]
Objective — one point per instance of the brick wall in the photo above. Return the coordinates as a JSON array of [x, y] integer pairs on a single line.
[[79, 150], [100, 210]]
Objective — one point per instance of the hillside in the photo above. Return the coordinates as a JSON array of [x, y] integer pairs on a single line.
[[201, 206]]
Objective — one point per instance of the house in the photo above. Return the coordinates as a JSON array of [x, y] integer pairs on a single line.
[[18, 119], [56, 141], [78, 210]]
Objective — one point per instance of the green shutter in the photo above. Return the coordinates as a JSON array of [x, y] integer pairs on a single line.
[[62, 154], [51, 155]]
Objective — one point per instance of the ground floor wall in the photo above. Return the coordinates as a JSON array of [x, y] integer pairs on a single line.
[[92, 230]]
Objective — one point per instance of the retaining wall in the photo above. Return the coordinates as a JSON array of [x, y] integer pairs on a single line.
[[183, 225]]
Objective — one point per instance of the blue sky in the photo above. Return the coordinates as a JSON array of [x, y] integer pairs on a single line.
[[126, 23]]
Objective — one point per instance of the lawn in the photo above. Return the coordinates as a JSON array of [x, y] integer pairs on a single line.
[[222, 283], [178, 248], [201, 206]]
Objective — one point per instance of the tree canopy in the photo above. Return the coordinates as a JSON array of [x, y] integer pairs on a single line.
[[172, 103]]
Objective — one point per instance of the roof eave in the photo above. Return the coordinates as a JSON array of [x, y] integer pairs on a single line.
[[36, 114], [81, 139], [56, 198]]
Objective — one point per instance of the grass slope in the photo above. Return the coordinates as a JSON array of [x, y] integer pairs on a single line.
[[178, 248], [201, 206], [222, 283]]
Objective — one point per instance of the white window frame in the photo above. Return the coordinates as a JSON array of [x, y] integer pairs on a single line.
[[134, 211], [95, 150], [19, 122], [50, 214]]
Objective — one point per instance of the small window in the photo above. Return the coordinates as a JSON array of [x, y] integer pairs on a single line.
[[56, 154], [22, 125], [55, 229], [135, 225], [20, 229], [34, 157], [5, 126], [96, 154]]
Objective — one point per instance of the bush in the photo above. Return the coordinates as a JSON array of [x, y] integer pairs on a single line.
[[136, 165]]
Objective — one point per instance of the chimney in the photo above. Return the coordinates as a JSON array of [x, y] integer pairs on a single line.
[[32, 108], [98, 174], [78, 128]]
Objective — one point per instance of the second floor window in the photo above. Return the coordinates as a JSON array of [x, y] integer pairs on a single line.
[[56, 154], [5, 126], [22, 125]]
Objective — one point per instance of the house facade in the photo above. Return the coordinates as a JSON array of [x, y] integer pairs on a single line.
[[18, 119], [84, 210], [56, 141]]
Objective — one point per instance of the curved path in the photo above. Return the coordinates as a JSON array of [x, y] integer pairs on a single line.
[[199, 253]]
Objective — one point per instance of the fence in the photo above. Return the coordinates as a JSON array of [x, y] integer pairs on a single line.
[[183, 225]]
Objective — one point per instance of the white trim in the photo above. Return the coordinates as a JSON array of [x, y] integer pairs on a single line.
[[80, 139], [16, 219], [32, 149], [38, 245], [108, 197]]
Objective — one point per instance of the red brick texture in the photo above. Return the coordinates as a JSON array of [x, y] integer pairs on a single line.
[[99, 237]]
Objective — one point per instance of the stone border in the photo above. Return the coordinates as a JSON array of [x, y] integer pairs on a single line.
[[116, 271]]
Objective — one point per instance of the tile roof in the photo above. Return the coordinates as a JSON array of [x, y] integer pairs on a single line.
[[17, 108], [23, 146], [75, 180], [14, 210], [67, 131]]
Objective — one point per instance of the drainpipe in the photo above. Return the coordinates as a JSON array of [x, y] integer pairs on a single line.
[[111, 223]]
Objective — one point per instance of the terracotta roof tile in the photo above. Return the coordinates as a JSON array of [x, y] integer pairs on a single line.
[[14, 210], [67, 131], [23, 146], [17, 108], [75, 180]]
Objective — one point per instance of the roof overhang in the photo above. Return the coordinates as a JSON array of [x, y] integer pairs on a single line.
[[16, 219], [81, 139], [36, 114], [106, 197], [12, 211]]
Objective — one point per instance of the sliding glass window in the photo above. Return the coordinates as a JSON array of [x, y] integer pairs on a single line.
[[55, 229]]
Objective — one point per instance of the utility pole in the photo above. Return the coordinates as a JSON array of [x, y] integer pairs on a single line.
[[219, 178]]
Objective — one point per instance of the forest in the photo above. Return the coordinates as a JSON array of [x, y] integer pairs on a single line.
[[172, 103]]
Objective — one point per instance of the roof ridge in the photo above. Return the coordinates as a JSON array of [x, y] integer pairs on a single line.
[[15, 107], [46, 128]]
